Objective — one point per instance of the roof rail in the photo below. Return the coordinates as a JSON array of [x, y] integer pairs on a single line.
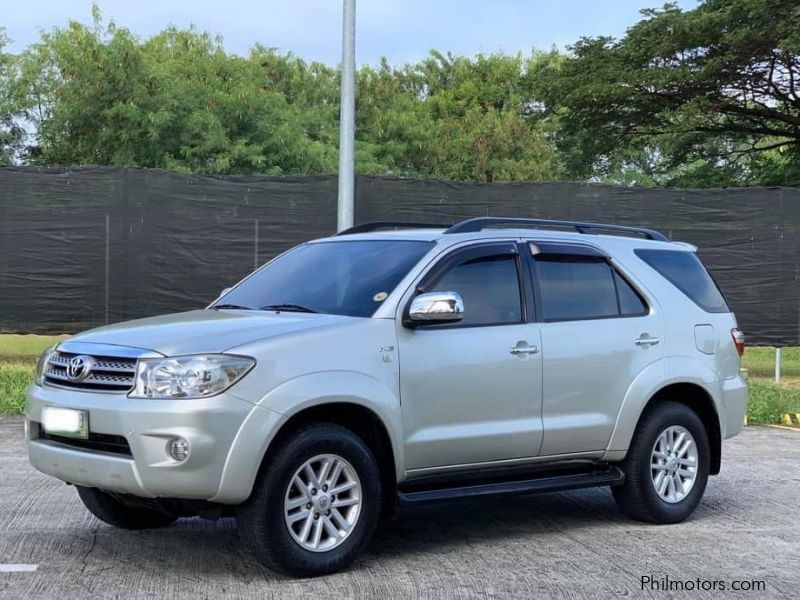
[[392, 225], [480, 223]]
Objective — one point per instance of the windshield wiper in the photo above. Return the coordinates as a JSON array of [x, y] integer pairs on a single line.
[[288, 308], [231, 306]]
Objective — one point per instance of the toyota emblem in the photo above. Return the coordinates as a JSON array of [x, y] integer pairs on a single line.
[[79, 367]]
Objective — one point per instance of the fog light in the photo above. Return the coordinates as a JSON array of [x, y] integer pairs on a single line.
[[178, 449]]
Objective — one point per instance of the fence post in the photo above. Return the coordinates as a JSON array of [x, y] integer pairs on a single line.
[[108, 270], [255, 244], [777, 365]]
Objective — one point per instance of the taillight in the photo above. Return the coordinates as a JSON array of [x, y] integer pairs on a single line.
[[738, 339]]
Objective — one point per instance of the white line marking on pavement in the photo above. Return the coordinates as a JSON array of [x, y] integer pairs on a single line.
[[18, 568]]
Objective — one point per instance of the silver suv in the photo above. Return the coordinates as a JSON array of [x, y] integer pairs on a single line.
[[398, 364]]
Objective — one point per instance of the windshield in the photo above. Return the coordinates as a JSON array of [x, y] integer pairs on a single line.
[[341, 278]]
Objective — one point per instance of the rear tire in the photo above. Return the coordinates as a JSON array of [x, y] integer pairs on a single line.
[[297, 521], [661, 483], [113, 511]]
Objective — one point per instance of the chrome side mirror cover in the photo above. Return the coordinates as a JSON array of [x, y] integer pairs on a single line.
[[436, 307]]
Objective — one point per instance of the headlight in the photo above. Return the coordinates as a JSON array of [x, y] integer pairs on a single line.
[[43, 359], [195, 376]]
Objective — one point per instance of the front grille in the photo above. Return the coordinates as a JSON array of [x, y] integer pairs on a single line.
[[97, 442], [107, 373]]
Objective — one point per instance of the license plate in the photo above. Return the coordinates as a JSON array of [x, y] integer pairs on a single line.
[[65, 421]]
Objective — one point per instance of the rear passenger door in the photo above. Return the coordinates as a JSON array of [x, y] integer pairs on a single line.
[[598, 333]]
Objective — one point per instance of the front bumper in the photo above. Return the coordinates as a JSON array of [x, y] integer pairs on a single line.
[[221, 466]]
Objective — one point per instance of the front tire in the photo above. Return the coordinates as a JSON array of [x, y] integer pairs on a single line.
[[316, 503], [667, 465], [113, 511]]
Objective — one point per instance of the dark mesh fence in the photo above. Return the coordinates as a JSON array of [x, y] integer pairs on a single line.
[[82, 247]]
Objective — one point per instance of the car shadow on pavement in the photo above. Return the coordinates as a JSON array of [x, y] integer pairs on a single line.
[[200, 550], [441, 525]]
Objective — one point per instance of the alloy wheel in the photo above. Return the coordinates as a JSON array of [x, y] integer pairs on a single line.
[[673, 464], [323, 502]]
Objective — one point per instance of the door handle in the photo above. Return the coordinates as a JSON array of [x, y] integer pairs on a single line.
[[524, 350], [646, 340]]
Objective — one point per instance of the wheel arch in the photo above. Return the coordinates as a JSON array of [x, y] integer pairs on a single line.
[[696, 398], [361, 398], [362, 421], [350, 390], [678, 379]]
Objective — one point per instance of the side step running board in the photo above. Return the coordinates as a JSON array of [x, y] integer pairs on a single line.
[[552, 483]]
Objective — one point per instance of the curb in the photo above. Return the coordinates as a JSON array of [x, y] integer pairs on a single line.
[[784, 427], [791, 419]]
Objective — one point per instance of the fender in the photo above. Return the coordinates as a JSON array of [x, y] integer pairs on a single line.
[[291, 397], [658, 375]]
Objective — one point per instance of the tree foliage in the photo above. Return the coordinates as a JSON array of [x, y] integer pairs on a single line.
[[99, 95], [11, 132], [457, 118], [176, 101], [704, 97]]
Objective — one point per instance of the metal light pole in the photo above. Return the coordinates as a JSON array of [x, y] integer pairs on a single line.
[[347, 119]]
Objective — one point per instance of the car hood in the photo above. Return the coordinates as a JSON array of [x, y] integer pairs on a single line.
[[205, 331]]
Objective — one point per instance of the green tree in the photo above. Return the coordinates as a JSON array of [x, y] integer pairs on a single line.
[[701, 97], [97, 94], [12, 133], [177, 101], [394, 126], [489, 124], [456, 118]]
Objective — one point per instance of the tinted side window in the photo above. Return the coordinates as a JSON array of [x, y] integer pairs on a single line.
[[576, 288], [685, 271], [630, 302], [489, 287]]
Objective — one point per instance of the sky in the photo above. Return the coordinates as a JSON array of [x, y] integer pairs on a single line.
[[401, 30]]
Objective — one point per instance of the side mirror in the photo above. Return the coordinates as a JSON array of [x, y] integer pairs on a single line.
[[436, 307]]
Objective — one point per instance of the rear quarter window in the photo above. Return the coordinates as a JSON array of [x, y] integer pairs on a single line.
[[685, 271]]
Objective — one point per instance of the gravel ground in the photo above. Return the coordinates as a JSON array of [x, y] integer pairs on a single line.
[[571, 545]]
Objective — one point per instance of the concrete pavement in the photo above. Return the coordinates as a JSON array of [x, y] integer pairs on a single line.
[[571, 545]]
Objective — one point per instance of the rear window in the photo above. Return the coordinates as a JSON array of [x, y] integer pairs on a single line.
[[685, 271]]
